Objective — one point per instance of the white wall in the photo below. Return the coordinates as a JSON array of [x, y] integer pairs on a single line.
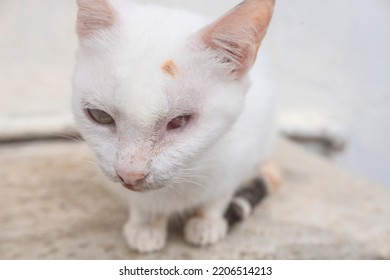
[[333, 65]]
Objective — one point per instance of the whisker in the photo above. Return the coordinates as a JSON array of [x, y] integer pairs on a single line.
[[188, 181]]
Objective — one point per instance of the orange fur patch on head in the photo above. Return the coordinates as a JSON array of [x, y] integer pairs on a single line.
[[170, 68]]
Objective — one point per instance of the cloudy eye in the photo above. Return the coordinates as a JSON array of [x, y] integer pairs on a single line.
[[179, 122], [100, 116]]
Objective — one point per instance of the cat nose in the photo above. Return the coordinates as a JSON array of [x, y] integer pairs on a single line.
[[132, 179]]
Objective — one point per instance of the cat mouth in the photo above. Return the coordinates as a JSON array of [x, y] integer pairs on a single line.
[[145, 186], [141, 188], [138, 189]]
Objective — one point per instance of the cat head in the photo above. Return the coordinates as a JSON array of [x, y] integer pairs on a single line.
[[155, 87]]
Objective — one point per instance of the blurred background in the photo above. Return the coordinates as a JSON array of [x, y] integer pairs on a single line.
[[330, 63]]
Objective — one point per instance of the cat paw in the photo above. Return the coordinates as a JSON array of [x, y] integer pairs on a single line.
[[203, 231], [144, 238]]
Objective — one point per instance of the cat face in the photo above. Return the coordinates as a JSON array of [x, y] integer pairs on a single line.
[[154, 89]]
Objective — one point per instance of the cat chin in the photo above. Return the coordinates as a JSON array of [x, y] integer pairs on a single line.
[[138, 189], [142, 188]]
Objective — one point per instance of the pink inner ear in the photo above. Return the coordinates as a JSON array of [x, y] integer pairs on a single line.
[[94, 15], [237, 35]]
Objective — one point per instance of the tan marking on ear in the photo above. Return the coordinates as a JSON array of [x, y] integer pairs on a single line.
[[94, 15], [170, 68], [238, 34]]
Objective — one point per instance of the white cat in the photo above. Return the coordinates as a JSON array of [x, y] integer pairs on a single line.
[[165, 100]]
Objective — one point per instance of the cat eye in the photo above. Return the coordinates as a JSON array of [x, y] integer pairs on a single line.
[[100, 116], [179, 122]]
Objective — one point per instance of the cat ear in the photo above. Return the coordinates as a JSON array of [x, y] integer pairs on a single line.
[[236, 36], [94, 15]]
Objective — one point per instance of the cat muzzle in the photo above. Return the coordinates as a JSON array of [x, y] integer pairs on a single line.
[[132, 181]]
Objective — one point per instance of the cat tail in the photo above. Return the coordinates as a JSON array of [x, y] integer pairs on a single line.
[[267, 181]]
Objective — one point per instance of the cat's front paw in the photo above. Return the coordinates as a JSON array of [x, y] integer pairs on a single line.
[[145, 238], [202, 231]]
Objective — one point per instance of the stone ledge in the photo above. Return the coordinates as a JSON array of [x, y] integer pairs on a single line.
[[53, 206], [25, 128]]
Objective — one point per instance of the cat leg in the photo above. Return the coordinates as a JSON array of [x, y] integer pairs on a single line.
[[213, 219], [208, 226], [145, 232]]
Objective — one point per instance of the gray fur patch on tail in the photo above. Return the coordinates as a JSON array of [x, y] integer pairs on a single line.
[[245, 199]]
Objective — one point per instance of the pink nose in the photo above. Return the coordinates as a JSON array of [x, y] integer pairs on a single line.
[[132, 179]]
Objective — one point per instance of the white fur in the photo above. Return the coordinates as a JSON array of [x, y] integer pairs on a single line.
[[118, 71]]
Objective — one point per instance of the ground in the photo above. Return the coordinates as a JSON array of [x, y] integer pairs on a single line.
[[54, 206]]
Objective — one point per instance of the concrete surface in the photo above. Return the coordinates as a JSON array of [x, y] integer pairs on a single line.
[[53, 206]]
